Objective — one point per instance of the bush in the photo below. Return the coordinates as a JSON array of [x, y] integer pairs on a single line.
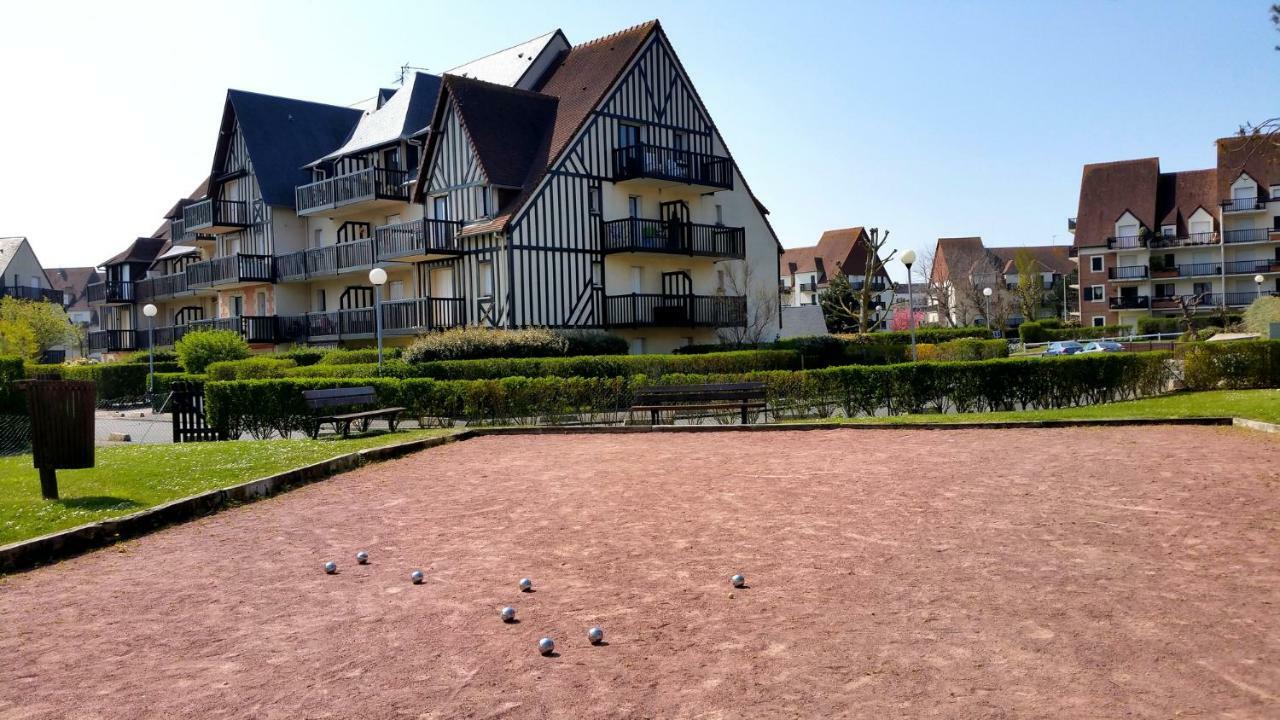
[[164, 385], [117, 382], [142, 357], [12, 401], [1169, 325], [1038, 332], [302, 355], [1261, 315], [1237, 365], [197, 350], [593, 342], [970, 349], [254, 368], [359, 355], [390, 368], [470, 343]]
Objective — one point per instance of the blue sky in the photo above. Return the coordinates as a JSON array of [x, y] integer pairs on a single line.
[[929, 118]]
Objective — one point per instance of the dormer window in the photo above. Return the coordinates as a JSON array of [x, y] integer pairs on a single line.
[[1168, 230]]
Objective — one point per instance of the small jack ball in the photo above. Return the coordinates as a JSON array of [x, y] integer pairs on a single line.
[[362, 557], [595, 635], [526, 584], [546, 646], [508, 614], [416, 577], [738, 581], [331, 567]]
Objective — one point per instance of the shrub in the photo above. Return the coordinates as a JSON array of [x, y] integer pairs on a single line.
[[358, 355], [253, 368], [12, 401], [142, 357], [198, 349], [390, 368], [593, 342], [469, 343], [1261, 315], [1038, 332], [302, 355], [1235, 365], [971, 349], [116, 382]]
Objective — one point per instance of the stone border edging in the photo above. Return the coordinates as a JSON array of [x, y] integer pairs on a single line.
[[33, 552]]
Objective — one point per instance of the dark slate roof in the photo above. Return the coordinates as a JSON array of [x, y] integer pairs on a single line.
[[282, 136], [405, 114], [509, 129], [142, 250]]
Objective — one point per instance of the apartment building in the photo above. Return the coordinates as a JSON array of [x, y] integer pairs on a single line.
[[21, 275], [964, 267], [543, 185], [1149, 242], [807, 271]]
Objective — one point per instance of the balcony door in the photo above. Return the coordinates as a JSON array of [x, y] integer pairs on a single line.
[[675, 215], [677, 284], [440, 207]]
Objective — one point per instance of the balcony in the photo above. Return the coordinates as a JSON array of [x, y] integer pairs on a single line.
[[1130, 302], [668, 166], [1199, 269], [877, 285], [370, 188], [213, 217], [113, 341], [22, 292], [1247, 235], [1253, 267], [639, 310], [113, 292], [809, 287], [417, 240], [399, 317], [1242, 299], [168, 286], [1126, 242], [1128, 272], [231, 270], [673, 237], [325, 261], [1192, 240], [1240, 205]]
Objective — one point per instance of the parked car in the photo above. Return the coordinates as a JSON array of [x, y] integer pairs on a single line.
[[1103, 346], [1063, 347]]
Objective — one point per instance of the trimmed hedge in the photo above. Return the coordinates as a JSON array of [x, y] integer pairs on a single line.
[[593, 342], [1237, 365], [358, 356], [198, 349], [1038, 332], [1152, 325], [116, 381], [12, 401], [819, 345], [472, 343], [302, 355], [254, 368]]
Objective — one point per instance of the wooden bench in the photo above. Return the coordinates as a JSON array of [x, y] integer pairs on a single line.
[[743, 397], [348, 397]]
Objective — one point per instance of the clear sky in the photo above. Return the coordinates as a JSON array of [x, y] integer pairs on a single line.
[[927, 118]]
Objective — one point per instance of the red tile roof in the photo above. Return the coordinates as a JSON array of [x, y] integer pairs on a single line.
[[1258, 156], [1107, 190], [1179, 195], [842, 248]]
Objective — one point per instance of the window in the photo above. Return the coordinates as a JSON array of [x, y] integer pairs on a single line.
[[593, 200], [1099, 320], [320, 303], [628, 135], [486, 279], [637, 279], [391, 158], [677, 140], [395, 290], [1095, 263], [440, 207], [597, 272], [719, 214], [633, 206], [317, 238], [486, 201], [720, 284], [237, 305], [1168, 230], [1099, 293], [392, 220], [637, 346], [260, 302], [1164, 290], [1202, 288]]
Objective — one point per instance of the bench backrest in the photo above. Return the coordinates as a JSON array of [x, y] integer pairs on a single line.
[[344, 397], [672, 394]]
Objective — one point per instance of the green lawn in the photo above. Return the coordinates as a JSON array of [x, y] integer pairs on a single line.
[[1254, 404], [132, 477]]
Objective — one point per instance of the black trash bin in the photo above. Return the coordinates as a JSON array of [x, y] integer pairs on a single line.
[[62, 418]]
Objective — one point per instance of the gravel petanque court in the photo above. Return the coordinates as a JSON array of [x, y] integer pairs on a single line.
[[1064, 573]]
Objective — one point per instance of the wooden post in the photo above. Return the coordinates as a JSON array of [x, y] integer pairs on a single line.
[[48, 483]]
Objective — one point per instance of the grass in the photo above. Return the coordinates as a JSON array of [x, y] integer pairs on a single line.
[[1253, 404], [132, 477]]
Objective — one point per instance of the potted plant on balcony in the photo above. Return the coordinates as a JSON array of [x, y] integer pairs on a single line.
[[1162, 269]]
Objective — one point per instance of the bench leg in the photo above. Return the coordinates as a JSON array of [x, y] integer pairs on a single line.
[[346, 428], [653, 417], [392, 422], [744, 413]]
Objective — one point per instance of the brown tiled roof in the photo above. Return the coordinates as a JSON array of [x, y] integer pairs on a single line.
[[1180, 194], [1049, 258], [1107, 190], [73, 281], [953, 251], [840, 248], [1256, 155]]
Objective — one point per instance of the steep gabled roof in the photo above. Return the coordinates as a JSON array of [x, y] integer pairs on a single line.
[[73, 281], [141, 250], [841, 249], [509, 129], [9, 247], [511, 67], [282, 135], [1179, 195], [1108, 190], [406, 114], [951, 254], [1257, 156], [1047, 258]]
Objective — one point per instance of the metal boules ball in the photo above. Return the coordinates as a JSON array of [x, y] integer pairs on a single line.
[[416, 576], [738, 581], [526, 585], [362, 557], [595, 635], [546, 646], [331, 567], [508, 614]]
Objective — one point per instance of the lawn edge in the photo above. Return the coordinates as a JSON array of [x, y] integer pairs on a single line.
[[769, 427], [53, 547]]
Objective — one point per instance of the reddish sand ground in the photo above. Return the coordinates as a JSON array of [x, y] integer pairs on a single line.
[[1079, 573]]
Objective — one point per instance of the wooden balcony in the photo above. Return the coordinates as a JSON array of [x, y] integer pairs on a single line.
[[213, 217], [674, 238], [235, 269], [325, 261], [670, 166], [639, 310], [399, 317], [364, 189], [23, 292], [116, 292], [417, 240], [106, 341]]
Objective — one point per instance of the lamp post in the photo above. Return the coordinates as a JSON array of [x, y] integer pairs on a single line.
[[378, 277], [909, 259], [986, 293], [150, 311], [1257, 280]]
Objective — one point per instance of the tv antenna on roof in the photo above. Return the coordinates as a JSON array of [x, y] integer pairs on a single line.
[[404, 71]]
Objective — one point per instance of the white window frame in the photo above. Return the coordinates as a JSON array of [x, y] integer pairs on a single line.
[[1099, 292], [1099, 320]]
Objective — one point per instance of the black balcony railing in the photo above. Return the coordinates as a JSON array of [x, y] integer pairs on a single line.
[[1245, 235], [1123, 242], [416, 238], [1198, 269], [662, 163], [213, 216], [1130, 302], [325, 261], [1248, 267], [360, 186], [23, 292], [111, 292], [655, 310], [1243, 204], [167, 286], [675, 237], [1127, 272], [238, 268], [808, 287], [113, 340], [1192, 240], [1237, 299], [877, 285]]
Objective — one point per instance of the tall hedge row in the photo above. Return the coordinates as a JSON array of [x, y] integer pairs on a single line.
[[1049, 331], [1237, 365], [116, 381], [11, 400]]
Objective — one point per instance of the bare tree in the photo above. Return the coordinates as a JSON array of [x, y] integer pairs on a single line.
[[1029, 291], [937, 291], [763, 307], [1188, 305], [873, 269], [1265, 132]]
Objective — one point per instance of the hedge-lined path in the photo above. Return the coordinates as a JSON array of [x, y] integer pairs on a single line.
[[1033, 572]]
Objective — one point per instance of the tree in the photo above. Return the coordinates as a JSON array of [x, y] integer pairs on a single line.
[[840, 305], [873, 269], [763, 307], [1188, 305], [937, 291], [1029, 291], [1265, 132], [30, 327]]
